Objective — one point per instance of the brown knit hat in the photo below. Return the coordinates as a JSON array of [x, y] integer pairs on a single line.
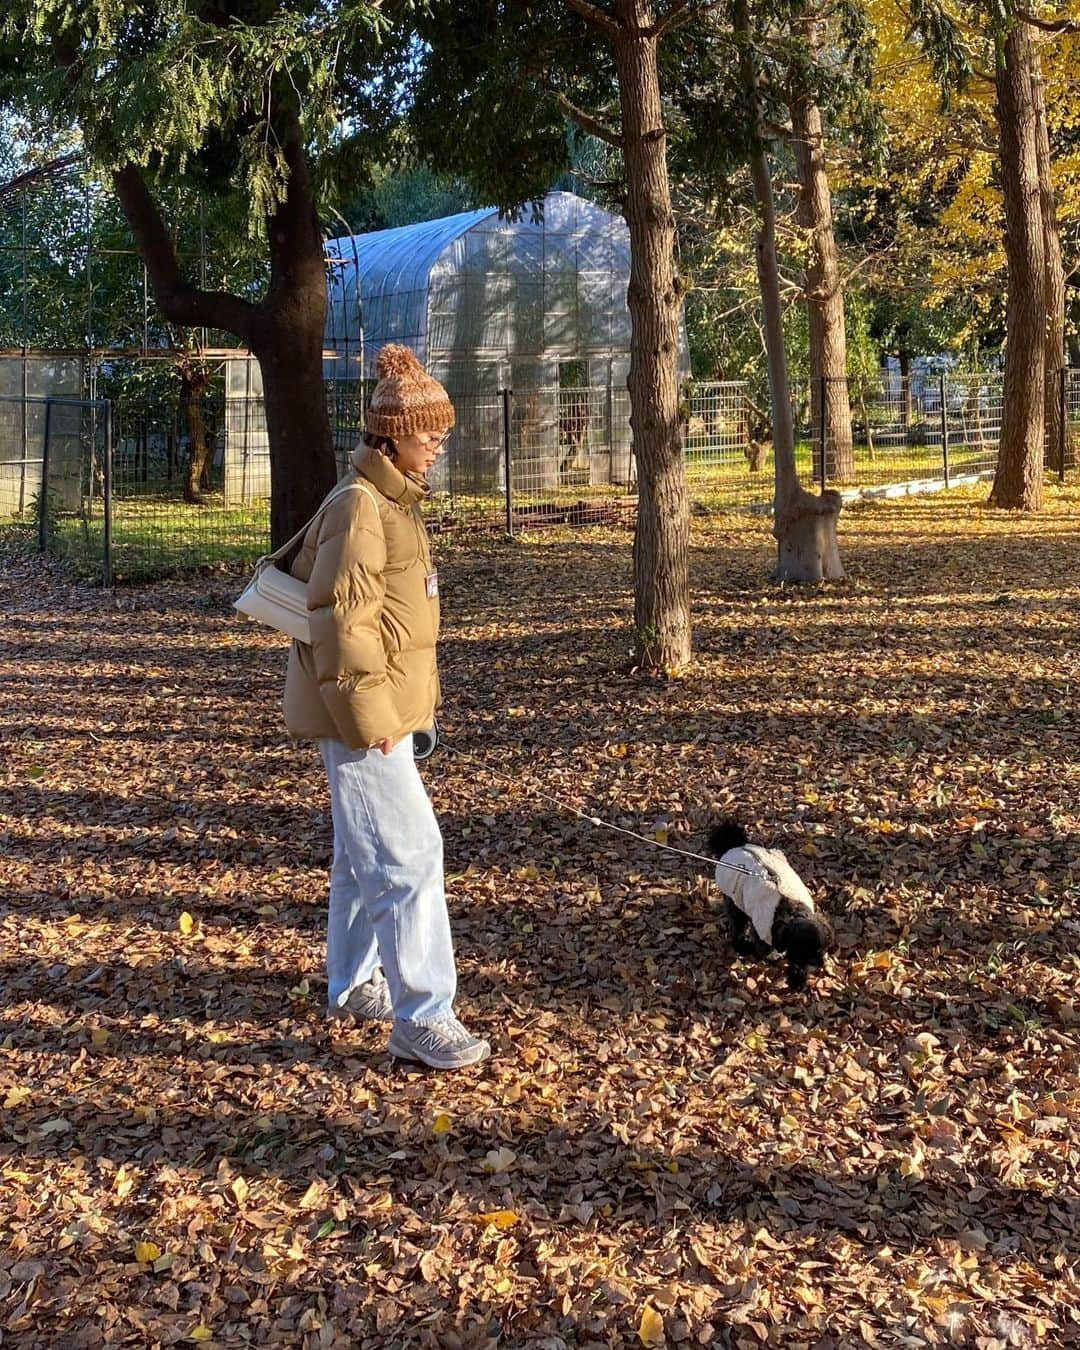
[[406, 399]]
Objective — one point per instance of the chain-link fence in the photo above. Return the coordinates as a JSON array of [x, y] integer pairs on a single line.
[[128, 489]]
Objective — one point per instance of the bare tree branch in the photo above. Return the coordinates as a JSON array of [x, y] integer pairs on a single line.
[[1049, 25], [40, 174]]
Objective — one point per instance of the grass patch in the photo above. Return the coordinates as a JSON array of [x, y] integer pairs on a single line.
[[156, 533]]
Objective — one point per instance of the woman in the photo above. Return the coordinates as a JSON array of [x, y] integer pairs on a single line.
[[364, 685]]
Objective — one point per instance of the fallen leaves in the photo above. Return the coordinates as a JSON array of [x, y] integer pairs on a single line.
[[497, 1218], [499, 1160], [651, 1327], [667, 1147]]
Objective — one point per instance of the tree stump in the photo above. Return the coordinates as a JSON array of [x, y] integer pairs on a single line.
[[805, 532]]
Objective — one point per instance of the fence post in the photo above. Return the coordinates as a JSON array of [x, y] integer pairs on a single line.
[[944, 429], [824, 419], [1063, 419], [43, 491], [107, 543], [507, 394]]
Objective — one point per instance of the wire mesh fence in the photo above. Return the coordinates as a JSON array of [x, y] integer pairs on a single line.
[[61, 479], [188, 487], [1067, 453], [128, 489], [883, 429]]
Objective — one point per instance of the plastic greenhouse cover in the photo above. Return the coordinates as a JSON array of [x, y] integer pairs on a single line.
[[478, 286]]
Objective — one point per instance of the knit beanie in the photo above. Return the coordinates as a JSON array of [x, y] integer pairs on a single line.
[[406, 400]]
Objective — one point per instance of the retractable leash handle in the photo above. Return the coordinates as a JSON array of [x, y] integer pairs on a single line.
[[605, 824], [424, 742]]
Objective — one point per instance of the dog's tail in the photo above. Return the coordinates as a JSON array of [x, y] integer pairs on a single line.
[[727, 835]]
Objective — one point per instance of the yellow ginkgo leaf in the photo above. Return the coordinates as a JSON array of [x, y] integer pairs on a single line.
[[500, 1218], [99, 1035], [147, 1251], [239, 1188], [441, 1123], [187, 923], [312, 1196], [200, 1333], [16, 1096], [651, 1327]]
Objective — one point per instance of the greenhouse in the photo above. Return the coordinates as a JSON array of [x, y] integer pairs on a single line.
[[535, 304], [488, 302]]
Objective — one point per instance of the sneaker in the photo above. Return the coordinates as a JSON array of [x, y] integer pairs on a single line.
[[368, 1002], [443, 1044]]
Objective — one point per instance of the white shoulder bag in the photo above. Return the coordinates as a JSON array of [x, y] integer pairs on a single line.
[[275, 598]]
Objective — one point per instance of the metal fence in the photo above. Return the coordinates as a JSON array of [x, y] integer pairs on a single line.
[[111, 485], [881, 429], [62, 479]]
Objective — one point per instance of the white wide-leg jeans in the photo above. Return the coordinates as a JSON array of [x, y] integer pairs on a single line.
[[387, 898]]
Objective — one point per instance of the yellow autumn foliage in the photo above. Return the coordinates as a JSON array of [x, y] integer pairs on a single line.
[[954, 151]]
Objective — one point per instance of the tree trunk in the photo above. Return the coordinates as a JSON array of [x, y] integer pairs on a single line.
[[907, 408], [193, 382], [285, 330], [824, 290], [661, 566], [288, 342], [804, 525], [302, 464], [1060, 449], [1019, 476]]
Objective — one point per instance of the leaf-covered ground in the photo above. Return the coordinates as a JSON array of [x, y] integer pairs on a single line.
[[667, 1146]]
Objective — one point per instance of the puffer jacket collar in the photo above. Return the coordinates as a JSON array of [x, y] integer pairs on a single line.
[[401, 488]]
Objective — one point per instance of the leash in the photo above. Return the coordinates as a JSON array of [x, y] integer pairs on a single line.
[[595, 820]]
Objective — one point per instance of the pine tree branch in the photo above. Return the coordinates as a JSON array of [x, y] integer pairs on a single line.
[[598, 18], [178, 301], [681, 12], [586, 121]]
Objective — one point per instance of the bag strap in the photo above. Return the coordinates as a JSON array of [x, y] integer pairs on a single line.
[[338, 492]]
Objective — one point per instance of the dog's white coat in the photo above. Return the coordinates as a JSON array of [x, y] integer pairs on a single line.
[[758, 895]]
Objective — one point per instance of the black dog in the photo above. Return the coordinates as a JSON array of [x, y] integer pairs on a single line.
[[771, 909]]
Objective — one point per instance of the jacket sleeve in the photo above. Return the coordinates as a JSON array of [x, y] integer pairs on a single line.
[[346, 590]]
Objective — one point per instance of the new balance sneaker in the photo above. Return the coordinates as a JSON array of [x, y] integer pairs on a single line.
[[442, 1044], [368, 1002]]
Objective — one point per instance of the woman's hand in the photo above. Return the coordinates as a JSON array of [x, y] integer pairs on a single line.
[[385, 746]]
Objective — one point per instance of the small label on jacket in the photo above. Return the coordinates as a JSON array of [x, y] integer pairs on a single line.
[[431, 585]]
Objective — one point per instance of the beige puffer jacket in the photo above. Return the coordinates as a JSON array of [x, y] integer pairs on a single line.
[[370, 670]]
